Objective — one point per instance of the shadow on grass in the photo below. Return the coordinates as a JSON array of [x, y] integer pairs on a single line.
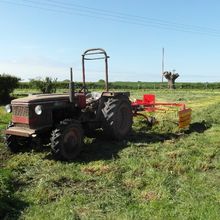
[[10, 205], [198, 127], [153, 137], [98, 147], [101, 148]]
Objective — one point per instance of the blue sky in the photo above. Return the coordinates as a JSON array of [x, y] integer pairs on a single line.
[[44, 38]]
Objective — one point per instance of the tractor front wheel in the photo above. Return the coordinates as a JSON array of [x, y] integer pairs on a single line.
[[14, 143], [67, 139]]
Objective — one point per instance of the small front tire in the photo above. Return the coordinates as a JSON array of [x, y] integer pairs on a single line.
[[14, 143]]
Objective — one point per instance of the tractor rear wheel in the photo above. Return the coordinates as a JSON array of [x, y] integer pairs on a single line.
[[117, 117], [67, 140]]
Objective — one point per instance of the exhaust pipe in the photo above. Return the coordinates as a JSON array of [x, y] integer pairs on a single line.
[[71, 87]]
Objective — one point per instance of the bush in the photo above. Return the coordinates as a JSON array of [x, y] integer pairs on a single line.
[[7, 85], [47, 85]]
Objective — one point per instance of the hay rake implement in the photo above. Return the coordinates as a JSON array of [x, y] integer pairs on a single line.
[[149, 104]]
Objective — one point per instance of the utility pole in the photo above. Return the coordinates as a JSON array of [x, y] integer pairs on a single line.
[[162, 63]]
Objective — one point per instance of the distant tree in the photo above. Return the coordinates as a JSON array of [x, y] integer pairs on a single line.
[[171, 77], [47, 85], [7, 85], [101, 81]]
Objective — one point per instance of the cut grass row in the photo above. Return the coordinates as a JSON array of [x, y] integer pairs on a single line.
[[154, 174]]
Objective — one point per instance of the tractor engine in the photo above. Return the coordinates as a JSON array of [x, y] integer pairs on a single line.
[[31, 115], [36, 113]]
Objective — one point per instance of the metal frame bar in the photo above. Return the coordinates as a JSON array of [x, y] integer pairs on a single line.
[[92, 52]]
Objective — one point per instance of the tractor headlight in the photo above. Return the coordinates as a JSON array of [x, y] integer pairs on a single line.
[[38, 110], [8, 108]]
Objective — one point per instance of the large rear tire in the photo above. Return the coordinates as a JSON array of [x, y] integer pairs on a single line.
[[117, 117], [67, 140]]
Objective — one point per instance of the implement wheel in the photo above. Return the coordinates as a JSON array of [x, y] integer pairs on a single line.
[[117, 117]]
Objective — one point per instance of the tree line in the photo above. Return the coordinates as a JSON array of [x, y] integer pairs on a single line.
[[48, 85], [34, 84]]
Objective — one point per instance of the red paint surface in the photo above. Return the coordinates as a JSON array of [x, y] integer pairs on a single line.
[[22, 120]]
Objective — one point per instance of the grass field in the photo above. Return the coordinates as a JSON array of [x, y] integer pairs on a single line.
[[158, 173]]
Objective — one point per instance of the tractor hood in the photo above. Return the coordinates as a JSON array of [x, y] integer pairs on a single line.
[[41, 98], [36, 111]]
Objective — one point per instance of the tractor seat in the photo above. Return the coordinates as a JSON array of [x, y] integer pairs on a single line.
[[92, 97]]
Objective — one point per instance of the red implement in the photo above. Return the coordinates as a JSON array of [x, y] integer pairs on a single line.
[[149, 104]]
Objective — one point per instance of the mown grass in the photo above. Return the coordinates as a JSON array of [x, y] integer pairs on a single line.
[[158, 173]]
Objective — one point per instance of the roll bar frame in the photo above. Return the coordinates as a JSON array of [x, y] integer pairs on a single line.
[[93, 52]]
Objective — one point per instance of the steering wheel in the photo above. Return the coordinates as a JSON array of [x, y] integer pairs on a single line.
[[84, 88]]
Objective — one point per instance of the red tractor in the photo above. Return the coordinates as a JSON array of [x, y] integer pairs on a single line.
[[63, 118]]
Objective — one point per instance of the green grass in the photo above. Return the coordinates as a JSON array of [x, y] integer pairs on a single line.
[[158, 173]]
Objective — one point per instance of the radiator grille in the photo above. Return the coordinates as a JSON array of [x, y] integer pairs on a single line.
[[20, 111]]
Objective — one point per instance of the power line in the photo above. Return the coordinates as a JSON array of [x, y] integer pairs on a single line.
[[134, 16], [70, 9], [126, 16]]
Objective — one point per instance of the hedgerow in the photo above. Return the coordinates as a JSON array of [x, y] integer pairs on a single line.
[[125, 85], [7, 85]]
